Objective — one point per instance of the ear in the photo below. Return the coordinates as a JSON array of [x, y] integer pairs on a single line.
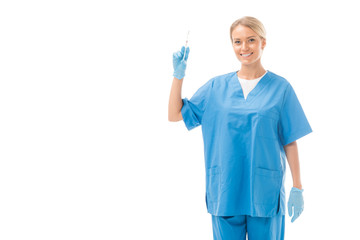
[[263, 44]]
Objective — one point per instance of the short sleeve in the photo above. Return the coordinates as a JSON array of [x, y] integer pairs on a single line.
[[192, 110], [293, 123]]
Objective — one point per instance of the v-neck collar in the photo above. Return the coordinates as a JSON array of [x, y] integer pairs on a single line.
[[258, 88]]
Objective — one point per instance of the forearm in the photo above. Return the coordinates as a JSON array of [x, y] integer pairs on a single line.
[[292, 156], [175, 100]]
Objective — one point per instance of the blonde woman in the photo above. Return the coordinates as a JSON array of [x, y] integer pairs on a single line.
[[251, 119]]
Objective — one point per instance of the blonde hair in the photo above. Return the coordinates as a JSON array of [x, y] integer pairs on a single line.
[[251, 23]]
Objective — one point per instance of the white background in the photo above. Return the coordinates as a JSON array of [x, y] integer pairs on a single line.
[[87, 151]]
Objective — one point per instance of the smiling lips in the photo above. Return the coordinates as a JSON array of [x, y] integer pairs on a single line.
[[246, 55]]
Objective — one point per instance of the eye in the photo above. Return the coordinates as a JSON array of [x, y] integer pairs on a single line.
[[237, 41], [252, 39]]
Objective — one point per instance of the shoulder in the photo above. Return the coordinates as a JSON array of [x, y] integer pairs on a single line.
[[217, 81], [282, 85], [223, 78], [277, 79]]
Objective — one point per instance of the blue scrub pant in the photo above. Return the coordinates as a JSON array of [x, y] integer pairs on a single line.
[[257, 228]]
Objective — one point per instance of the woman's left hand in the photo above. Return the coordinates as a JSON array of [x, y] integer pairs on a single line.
[[296, 200]]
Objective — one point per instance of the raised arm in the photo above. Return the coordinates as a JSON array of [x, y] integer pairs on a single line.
[[175, 100]]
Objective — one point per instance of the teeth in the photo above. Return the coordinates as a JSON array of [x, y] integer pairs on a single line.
[[245, 55]]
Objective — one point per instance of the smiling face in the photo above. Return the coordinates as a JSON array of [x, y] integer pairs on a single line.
[[247, 45]]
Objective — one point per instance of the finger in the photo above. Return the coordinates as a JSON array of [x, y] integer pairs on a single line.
[[299, 211], [177, 55], [290, 209], [296, 215], [182, 51], [187, 53]]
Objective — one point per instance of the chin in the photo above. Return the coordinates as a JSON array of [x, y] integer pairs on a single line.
[[250, 62]]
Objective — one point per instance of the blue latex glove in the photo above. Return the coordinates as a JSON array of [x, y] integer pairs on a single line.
[[295, 200], [179, 63]]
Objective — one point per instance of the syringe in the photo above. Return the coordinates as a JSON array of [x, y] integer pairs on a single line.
[[187, 39]]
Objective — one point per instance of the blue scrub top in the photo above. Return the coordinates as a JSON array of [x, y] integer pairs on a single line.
[[245, 160]]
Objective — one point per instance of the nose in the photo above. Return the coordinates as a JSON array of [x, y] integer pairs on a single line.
[[244, 46]]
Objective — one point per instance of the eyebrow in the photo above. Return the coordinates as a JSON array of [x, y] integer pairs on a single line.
[[247, 37]]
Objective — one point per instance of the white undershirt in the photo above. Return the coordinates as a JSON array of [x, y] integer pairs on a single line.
[[248, 85]]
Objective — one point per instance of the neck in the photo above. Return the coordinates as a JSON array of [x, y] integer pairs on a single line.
[[251, 71]]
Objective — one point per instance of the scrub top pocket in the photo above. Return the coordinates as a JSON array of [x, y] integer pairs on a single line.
[[267, 184], [267, 124]]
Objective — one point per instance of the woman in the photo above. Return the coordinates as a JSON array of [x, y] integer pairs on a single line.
[[250, 120]]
